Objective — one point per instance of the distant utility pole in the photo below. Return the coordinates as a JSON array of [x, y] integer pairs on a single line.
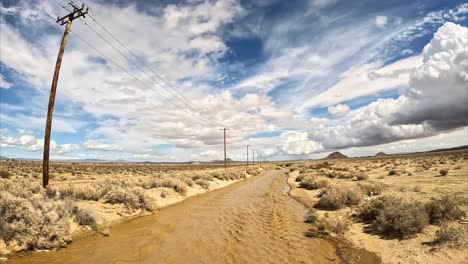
[[225, 158], [247, 154], [68, 19], [253, 156]]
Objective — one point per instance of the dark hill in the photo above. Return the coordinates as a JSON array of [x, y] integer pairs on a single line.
[[381, 154], [336, 155]]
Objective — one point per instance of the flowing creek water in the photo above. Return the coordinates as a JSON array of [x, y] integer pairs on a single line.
[[252, 221]]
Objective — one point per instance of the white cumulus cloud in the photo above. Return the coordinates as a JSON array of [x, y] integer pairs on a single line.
[[298, 143]]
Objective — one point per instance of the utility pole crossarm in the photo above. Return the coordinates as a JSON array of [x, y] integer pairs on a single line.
[[76, 13]]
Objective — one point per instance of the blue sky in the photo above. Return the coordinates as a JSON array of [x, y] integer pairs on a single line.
[[293, 79]]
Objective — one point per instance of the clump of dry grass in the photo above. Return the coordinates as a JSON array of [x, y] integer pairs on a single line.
[[311, 216], [369, 188], [362, 176], [203, 183], [393, 172], [33, 223], [444, 171], [300, 177], [5, 174], [338, 196], [87, 192], [394, 217], [450, 235], [175, 184], [323, 227], [85, 216], [132, 198], [443, 209], [313, 183]]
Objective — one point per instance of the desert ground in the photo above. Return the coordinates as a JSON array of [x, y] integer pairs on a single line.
[[389, 209], [407, 209]]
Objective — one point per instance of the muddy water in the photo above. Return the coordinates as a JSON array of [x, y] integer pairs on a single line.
[[253, 221]]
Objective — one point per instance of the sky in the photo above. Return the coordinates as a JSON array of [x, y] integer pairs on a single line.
[[157, 80]]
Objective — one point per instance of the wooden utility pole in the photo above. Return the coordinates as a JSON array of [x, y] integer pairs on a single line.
[[66, 20], [225, 158], [247, 154]]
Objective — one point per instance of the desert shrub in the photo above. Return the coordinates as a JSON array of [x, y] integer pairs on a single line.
[[186, 180], [444, 171], [175, 184], [393, 173], [344, 175], [204, 176], [362, 177], [375, 188], [253, 172], [87, 192], [325, 226], [313, 183], [300, 177], [338, 225], [449, 235], [339, 196], [85, 216], [443, 209], [395, 217], [60, 191], [311, 216], [132, 198], [203, 183], [307, 182], [34, 223], [5, 174], [457, 168]]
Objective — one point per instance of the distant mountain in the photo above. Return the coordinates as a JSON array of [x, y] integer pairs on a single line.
[[381, 154], [3, 158], [336, 155]]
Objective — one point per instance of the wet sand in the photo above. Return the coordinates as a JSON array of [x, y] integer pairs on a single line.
[[252, 221]]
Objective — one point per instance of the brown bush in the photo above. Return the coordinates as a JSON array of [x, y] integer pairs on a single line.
[[443, 209], [5, 174], [175, 184], [33, 223], [444, 171], [324, 226], [203, 183], [85, 217], [339, 196], [87, 192], [132, 198], [313, 183], [449, 235], [300, 177], [362, 177], [375, 187], [393, 173], [395, 217], [311, 216]]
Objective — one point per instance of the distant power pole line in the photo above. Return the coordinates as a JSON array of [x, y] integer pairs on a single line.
[[253, 156], [247, 154], [225, 158], [68, 19]]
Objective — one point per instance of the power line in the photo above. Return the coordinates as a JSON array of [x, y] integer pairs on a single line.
[[160, 83], [143, 63], [113, 62]]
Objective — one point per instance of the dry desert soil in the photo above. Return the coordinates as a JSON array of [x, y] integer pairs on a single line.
[[387, 209]]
